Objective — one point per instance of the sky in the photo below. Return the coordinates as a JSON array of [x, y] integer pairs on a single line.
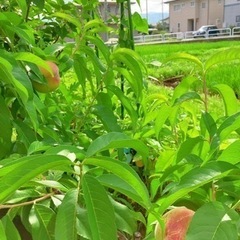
[[147, 6], [150, 6]]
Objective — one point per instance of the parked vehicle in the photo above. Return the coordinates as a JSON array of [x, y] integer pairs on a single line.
[[206, 31]]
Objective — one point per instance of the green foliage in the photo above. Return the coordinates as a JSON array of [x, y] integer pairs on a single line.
[[102, 156]]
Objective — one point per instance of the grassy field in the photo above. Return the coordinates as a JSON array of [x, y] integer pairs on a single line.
[[155, 54]]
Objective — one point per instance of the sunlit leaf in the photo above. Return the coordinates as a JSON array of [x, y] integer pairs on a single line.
[[229, 98], [223, 56], [231, 153], [184, 56], [214, 221]]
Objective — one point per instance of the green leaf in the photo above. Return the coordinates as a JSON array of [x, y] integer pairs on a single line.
[[140, 24], [191, 145], [162, 116], [229, 125], [25, 169], [83, 225], [209, 124], [231, 153], [51, 184], [100, 210], [125, 219], [133, 62], [126, 174], [32, 58], [74, 20], [194, 179], [213, 221], [5, 129], [184, 56], [183, 87], [104, 49], [125, 102], [54, 48], [39, 3], [229, 98], [11, 231], [41, 219], [2, 231], [7, 77], [23, 6], [117, 140], [120, 185], [95, 25], [224, 56], [107, 117], [187, 96], [65, 228]]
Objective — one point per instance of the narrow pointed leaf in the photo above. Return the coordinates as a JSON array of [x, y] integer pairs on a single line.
[[100, 210], [117, 140], [194, 179], [229, 98], [2, 231], [231, 153], [187, 96], [126, 173], [5, 129], [230, 124], [184, 56], [220, 57], [125, 102], [120, 185], [26, 170], [65, 228], [10, 229]]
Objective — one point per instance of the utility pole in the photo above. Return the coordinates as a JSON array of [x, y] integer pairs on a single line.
[[162, 16], [147, 10]]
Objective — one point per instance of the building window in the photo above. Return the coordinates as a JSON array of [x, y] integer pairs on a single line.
[[238, 18], [192, 4], [203, 5], [178, 27], [177, 7]]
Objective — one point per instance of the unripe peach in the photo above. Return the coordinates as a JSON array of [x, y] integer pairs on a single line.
[[52, 79], [176, 221]]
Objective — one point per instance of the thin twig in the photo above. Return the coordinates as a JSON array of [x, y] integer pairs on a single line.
[[27, 203]]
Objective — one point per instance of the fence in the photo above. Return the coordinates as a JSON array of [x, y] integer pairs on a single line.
[[179, 36]]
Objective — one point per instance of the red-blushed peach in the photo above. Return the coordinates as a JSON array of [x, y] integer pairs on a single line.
[[176, 222], [52, 79]]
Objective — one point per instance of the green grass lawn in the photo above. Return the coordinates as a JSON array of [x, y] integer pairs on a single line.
[[154, 56]]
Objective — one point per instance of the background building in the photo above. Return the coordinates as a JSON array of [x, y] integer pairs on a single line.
[[232, 13], [189, 15]]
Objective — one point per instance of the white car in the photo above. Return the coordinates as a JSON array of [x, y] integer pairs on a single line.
[[206, 31]]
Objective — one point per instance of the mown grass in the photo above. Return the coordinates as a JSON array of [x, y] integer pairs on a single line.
[[154, 55]]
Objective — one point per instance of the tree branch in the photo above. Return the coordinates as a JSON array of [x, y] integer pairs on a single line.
[[27, 203]]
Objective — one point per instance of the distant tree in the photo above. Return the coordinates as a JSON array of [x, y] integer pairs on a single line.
[[162, 26]]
